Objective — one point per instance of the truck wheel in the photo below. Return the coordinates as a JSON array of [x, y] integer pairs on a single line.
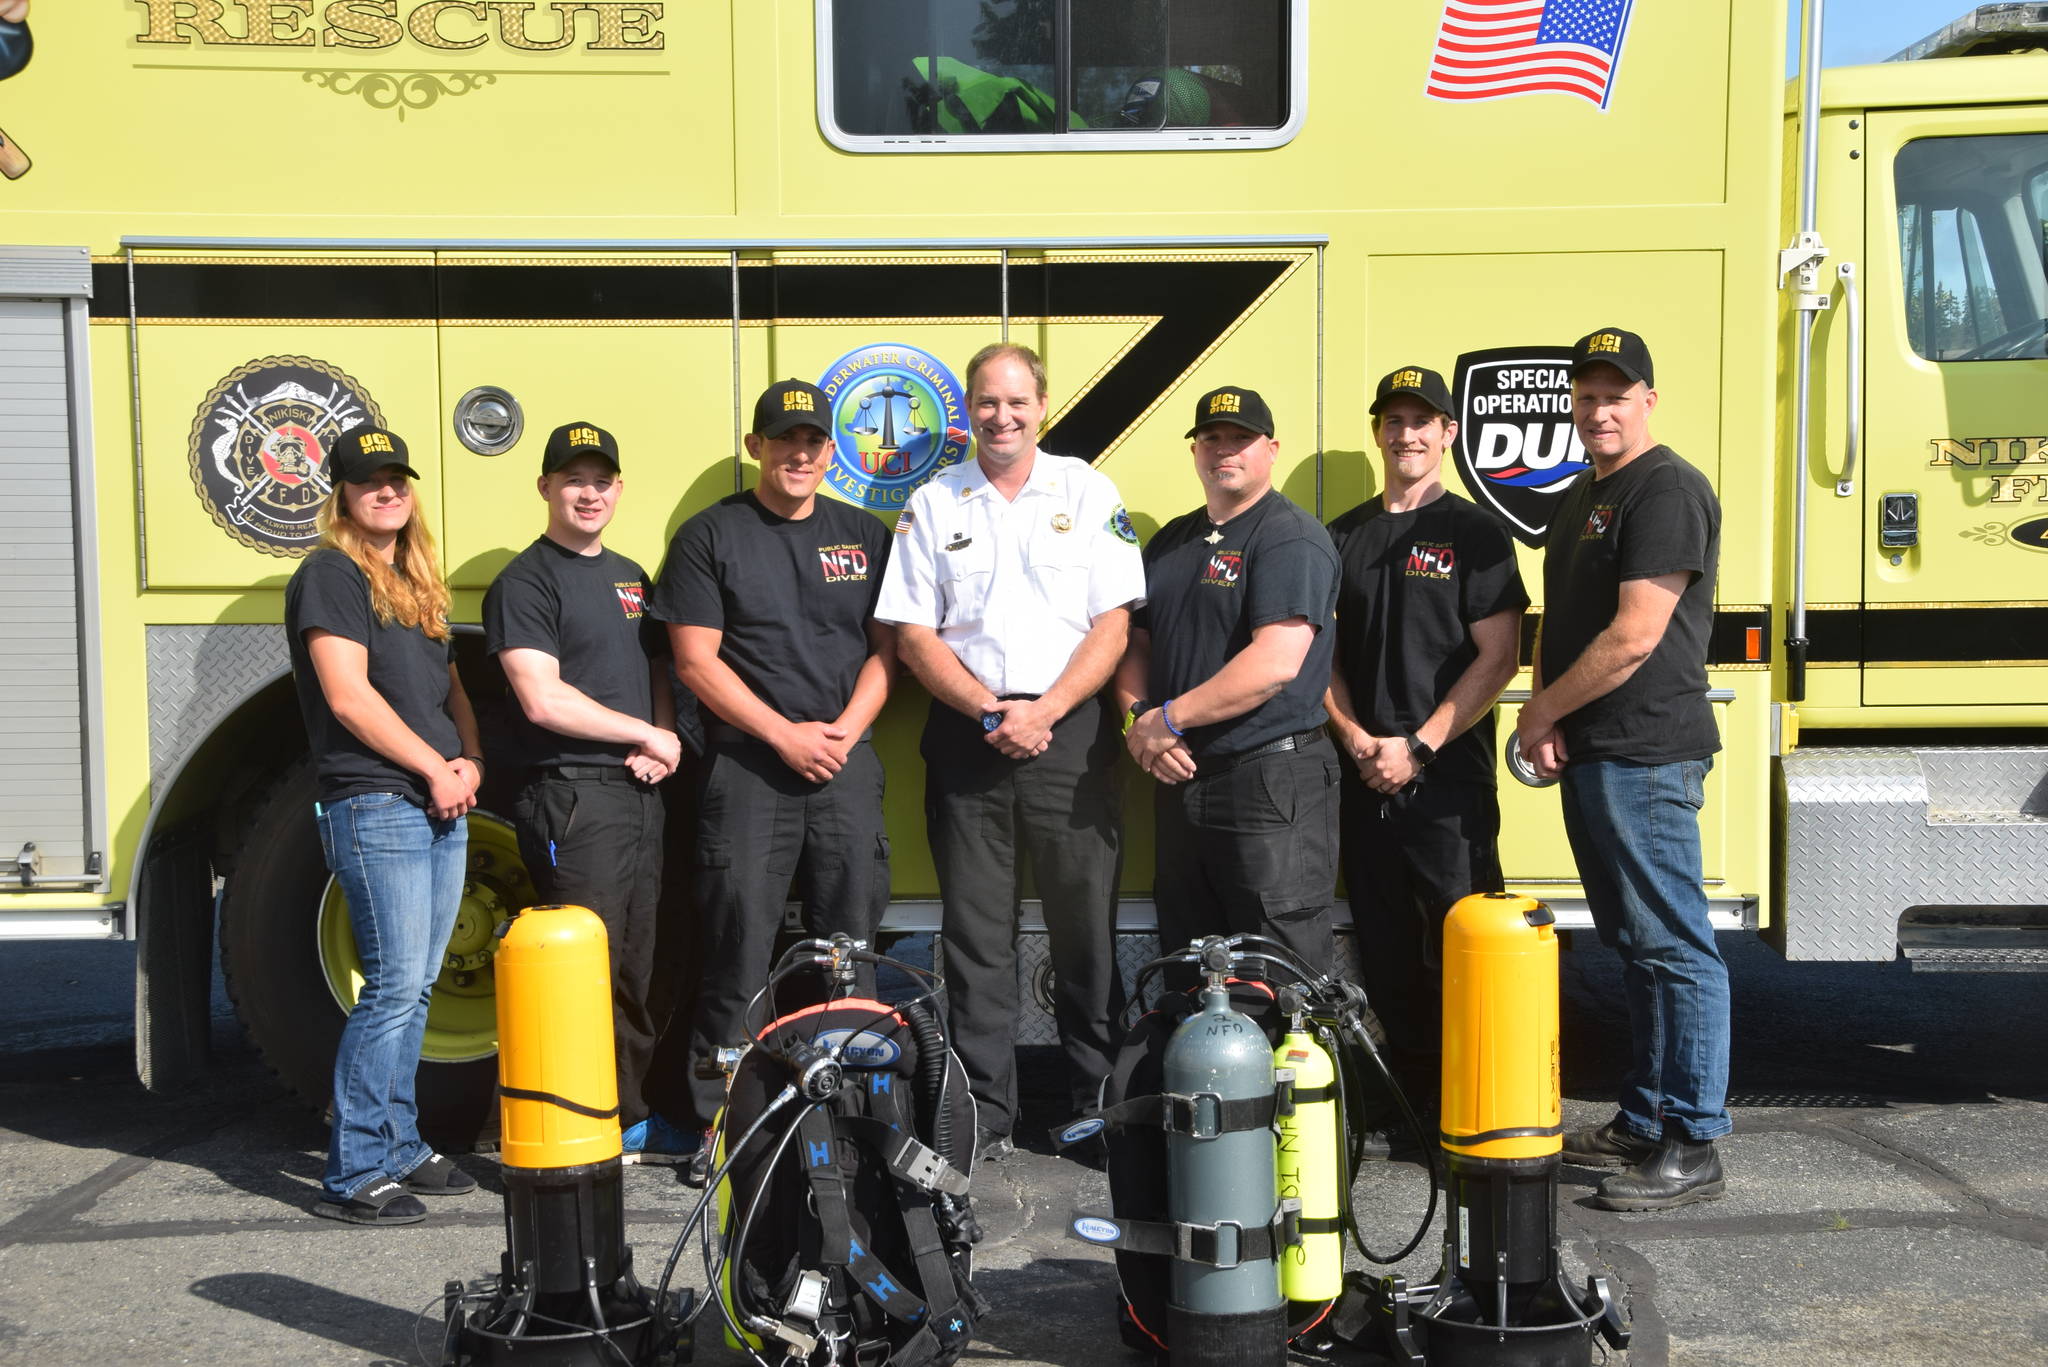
[[290, 961]]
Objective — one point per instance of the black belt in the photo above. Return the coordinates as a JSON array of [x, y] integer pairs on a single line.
[[1300, 740], [589, 773]]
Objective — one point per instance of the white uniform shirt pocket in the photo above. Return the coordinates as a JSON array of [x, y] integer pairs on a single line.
[[1060, 563], [963, 573]]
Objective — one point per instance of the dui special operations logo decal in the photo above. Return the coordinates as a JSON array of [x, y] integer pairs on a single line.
[[259, 448], [1517, 448], [898, 418]]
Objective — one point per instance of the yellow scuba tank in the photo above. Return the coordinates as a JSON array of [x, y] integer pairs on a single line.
[[558, 1088], [1312, 1270]]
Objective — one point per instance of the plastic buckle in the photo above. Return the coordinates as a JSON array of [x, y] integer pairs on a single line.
[[807, 1298], [1185, 1246], [921, 1166], [1287, 1221], [1183, 1114], [1283, 1091]]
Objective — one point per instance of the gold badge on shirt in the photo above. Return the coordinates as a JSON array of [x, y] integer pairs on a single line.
[[1062, 523]]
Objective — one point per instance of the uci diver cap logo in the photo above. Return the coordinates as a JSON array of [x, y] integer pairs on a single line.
[[1607, 342], [376, 444], [583, 436], [1408, 379], [1097, 1230], [1225, 403]]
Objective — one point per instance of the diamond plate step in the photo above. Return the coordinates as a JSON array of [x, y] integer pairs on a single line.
[[1953, 959]]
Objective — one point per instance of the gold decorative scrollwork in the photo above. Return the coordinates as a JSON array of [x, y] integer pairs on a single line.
[[400, 90]]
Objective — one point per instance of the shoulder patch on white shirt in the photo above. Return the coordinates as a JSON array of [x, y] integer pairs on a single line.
[[905, 522]]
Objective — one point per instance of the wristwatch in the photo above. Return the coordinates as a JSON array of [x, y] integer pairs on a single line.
[[1137, 710], [1422, 751]]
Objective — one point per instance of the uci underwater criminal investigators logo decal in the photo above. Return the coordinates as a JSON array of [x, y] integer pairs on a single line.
[[259, 448], [898, 418], [1517, 448]]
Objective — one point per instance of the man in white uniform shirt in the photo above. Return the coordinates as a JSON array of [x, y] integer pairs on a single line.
[[1011, 587]]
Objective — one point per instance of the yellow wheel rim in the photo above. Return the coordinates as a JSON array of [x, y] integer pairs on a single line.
[[462, 1020]]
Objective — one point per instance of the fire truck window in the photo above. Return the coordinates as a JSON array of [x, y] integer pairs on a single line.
[[1178, 64], [1004, 68], [1972, 217]]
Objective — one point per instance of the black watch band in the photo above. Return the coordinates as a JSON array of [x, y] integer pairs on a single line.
[[1421, 750], [1137, 710]]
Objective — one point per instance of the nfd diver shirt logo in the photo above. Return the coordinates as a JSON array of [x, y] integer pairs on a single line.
[[1517, 448], [898, 418], [259, 443]]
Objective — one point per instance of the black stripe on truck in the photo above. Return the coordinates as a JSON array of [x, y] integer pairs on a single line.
[[1196, 301]]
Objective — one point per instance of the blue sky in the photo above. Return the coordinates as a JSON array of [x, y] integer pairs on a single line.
[[1872, 30]]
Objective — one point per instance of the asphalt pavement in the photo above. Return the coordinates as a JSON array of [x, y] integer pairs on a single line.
[[1887, 1193]]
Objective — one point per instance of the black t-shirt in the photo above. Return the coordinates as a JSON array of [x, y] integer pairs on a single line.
[[1413, 583], [793, 598], [1656, 515], [408, 670], [1204, 597], [590, 613]]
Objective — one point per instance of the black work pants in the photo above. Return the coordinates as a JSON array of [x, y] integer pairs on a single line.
[[1059, 811], [591, 837], [762, 827], [1408, 857], [1251, 847]]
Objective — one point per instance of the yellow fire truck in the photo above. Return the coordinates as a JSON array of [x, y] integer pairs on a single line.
[[241, 227]]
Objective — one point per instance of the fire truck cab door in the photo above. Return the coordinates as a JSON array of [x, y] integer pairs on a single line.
[[1953, 493]]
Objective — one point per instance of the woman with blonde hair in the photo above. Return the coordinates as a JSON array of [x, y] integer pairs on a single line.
[[399, 764]]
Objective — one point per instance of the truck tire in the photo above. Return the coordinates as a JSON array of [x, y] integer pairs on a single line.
[[290, 963]]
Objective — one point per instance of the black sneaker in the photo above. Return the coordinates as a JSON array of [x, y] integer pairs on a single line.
[[990, 1147], [1679, 1173], [383, 1202], [697, 1171], [1612, 1145], [439, 1176]]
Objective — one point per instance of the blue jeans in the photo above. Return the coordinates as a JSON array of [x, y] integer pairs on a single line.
[[401, 871], [1635, 832]]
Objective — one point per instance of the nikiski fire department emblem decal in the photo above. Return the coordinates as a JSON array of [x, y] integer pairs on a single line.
[[1517, 448], [259, 448]]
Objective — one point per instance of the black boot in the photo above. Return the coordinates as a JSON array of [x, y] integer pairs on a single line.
[[1680, 1172], [1613, 1145]]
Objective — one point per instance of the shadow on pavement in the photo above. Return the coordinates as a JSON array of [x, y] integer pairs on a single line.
[[335, 1315]]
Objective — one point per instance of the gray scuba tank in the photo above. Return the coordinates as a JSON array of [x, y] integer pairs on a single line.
[[1226, 1312]]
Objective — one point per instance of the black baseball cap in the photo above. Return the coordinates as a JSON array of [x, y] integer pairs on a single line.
[[1624, 351], [573, 439], [791, 403], [357, 455], [1234, 405], [1417, 381]]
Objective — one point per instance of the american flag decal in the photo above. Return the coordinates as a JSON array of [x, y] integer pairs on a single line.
[[1491, 49]]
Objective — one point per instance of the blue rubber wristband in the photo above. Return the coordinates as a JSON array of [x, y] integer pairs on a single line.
[[1167, 717]]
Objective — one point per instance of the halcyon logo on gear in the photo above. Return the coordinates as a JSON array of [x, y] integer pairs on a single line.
[[1517, 448], [259, 448], [898, 418]]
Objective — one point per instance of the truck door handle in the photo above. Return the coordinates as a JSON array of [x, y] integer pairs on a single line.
[[1852, 302]]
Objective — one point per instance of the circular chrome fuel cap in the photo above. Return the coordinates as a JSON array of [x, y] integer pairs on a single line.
[[488, 420]]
